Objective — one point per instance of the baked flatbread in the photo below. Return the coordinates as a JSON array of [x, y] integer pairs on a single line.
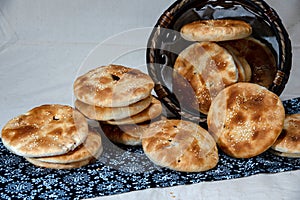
[[247, 69], [129, 134], [242, 64], [153, 111], [288, 143], [92, 147], [245, 119], [259, 56], [241, 71], [109, 113], [113, 86], [216, 30], [58, 165], [209, 68], [283, 154], [180, 145], [46, 130]]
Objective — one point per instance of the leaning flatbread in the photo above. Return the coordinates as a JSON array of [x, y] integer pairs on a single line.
[[245, 119], [288, 143], [208, 68], [259, 56]]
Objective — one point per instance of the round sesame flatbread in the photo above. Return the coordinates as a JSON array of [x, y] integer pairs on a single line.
[[216, 30], [153, 111], [91, 147], [46, 130], [288, 143], [113, 86], [259, 56], [180, 145], [245, 119], [112, 113], [208, 68]]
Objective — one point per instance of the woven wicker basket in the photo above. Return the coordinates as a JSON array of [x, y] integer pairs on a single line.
[[165, 42]]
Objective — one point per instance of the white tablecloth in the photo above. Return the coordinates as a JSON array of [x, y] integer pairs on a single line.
[[44, 46]]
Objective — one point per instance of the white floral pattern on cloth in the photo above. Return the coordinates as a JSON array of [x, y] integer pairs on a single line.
[[122, 169]]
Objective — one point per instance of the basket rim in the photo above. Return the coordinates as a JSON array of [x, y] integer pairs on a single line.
[[180, 6]]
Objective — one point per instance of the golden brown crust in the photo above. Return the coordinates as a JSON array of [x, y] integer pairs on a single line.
[[216, 30], [259, 57], [113, 86], [209, 68], [46, 130], [129, 134], [110, 113], [289, 140], [59, 165], [92, 147], [153, 111], [245, 119], [180, 145]]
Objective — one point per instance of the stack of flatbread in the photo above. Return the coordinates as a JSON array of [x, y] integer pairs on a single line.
[[222, 53], [52, 136], [120, 99]]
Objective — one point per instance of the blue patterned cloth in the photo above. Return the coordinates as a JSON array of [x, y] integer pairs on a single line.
[[122, 169]]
